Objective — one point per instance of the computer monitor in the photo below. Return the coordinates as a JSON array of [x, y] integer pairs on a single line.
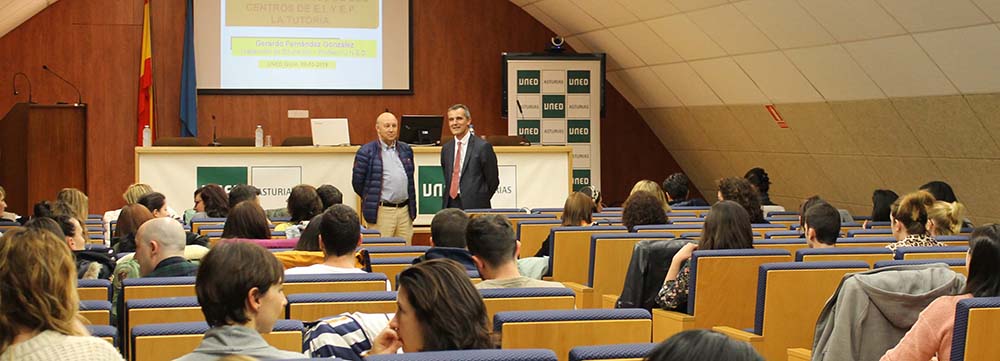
[[421, 129]]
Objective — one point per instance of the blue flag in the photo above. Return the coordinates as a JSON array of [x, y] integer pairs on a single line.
[[189, 88]]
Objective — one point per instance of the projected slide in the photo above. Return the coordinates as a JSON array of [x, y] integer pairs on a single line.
[[302, 44]]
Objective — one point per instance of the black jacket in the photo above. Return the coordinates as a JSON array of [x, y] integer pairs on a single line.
[[646, 271], [103, 256]]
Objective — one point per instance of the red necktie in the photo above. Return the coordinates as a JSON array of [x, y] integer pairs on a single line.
[[453, 192]]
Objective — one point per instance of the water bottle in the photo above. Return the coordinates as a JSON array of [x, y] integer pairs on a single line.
[[147, 136], [472, 130], [258, 136]]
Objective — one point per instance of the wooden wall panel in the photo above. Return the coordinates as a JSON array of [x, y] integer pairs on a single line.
[[456, 53]]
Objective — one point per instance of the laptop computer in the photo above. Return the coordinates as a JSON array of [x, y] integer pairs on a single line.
[[330, 132]]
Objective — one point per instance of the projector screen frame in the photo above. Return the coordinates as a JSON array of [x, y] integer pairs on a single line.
[[407, 91]]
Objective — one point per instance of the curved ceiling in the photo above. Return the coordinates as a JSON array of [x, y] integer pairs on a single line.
[[713, 52], [16, 12]]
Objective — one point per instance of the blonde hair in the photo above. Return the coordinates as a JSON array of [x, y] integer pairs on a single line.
[[3, 193], [651, 187], [911, 211], [37, 285], [71, 202], [136, 191], [947, 217]]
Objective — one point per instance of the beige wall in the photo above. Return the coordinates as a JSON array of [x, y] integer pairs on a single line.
[[844, 150]]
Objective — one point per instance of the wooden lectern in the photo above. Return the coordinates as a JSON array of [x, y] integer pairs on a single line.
[[43, 148]]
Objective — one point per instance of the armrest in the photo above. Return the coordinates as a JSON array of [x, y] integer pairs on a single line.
[[584, 295], [799, 354], [668, 323], [738, 335], [608, 301]]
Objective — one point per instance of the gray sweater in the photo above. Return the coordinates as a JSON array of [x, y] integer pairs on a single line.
[[51, 345], [236, 340]]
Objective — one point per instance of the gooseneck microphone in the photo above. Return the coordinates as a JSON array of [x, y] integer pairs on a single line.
[[79, 97], [14, 84]]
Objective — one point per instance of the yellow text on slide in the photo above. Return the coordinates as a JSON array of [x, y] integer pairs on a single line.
[[297, 64], [303, 13], [304, 47]]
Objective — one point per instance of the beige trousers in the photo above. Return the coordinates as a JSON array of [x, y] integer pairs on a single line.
[[394, 222]]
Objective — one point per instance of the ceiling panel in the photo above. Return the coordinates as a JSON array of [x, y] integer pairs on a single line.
[[780, 81], [990, 7], [877, 129], [728, 81], [619, 56], [900, 67], [686, 84], [549, 22], [649, 9], [623, 86], [968, 56], [608, 13], [690, 5], [731, 30], [832, 71], [571, 17], [849, 20], [960, 135], [925, 15], [685, 37], [648, 86], [785, 23], [648, 46]]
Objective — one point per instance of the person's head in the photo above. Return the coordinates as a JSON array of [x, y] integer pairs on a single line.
[[243, 192], [676, 186], [945, 218], [156, 203], [578, 210], [759, 179], [646, 185], [642, 208], [132, 216], [3, 200], [72, 232], [340, 231], [806, 204], [240, 283], [134, 191], [212, 200], [304, 203], [38, 293], [491, 241], [387, 127], [595, 195], [727, 226], [47, 224], [983, 262], [329, 195], [882, 200], [309, 240], [909, 214], [822, 224], [702, 345], [157, 240], [940, 190], [459, 119], [740, 190], [448, 228], [72, 202], [438, 309], [246, 220]]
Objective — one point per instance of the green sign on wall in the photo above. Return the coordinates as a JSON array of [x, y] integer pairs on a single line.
[[529, 81], [430, 189], [553, 106], [530, 129], [227, 177], [581, 178], [578, 81], [578, 131]]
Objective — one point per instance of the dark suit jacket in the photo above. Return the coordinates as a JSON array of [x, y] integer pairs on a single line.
[[480, 177]]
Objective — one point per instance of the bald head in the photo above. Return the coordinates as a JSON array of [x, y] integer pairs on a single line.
[[387, 127], [167, 232]]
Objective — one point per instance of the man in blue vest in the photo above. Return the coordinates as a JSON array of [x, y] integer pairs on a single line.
[[383, 178]]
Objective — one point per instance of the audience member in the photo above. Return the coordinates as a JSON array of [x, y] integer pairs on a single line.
[[448, 238], [761, 182], [882, 200], [131, 218], [595, 195], [40, 317], [940, 190], [210, 201], [944, 219], [646, 185], [806, 204], [577, 211], [90, 264], [438, 310], [131, 196], [702, 345], [742, 192], [727, 226], [340, 235], [73, 203], [821, 225], [303, 204], [239, 287], [329, 195], [246, 220], [159, 249], [309, 239], [931, 335], [677, 188], [642, 208], [909, 221], [243, 192], [4, 215], [494, 249]]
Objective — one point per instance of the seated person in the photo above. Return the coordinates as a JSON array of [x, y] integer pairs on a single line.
[[246, 221], [340, 235], [740, 190], [4, 215], [494, 249], [303, 204], [448, 238], [438, 310], [909, 219], [132, 216], [243, 192], [90, 264], [727, 226], [821, 225], [595, 195], [40, 317], [156, 203], [239, 287], [329, 195], [577, 211], [931, 334], [651, 187], [642, 208], [210, 201], [944, 219], [677, 188], [159, 249], [697, 345], [761, 184]]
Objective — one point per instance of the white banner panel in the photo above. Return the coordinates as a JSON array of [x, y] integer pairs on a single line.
[[275, 184]]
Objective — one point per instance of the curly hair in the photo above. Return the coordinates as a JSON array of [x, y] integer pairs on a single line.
[[740, 191], [642, 208]]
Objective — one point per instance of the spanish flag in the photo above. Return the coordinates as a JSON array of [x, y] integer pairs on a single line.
[[145, 78]]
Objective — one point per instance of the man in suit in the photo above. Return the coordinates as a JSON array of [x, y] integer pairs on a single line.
[[472, 182]]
